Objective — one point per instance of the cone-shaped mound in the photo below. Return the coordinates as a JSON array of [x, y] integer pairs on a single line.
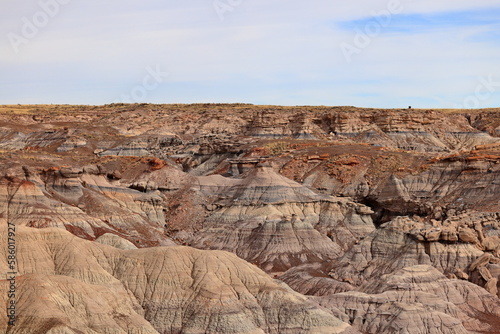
[[264, 186]]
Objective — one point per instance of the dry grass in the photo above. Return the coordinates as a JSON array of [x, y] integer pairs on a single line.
[[57, 108]]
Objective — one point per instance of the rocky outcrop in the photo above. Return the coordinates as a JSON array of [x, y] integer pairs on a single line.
[[394, 246], [84, 202], [467, 183], [464, 247], [417, 299], [73, 142]]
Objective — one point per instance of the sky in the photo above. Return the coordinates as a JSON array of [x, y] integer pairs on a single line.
[[364, 53]]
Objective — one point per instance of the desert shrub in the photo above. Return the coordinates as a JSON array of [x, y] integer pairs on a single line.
[[277, 148]]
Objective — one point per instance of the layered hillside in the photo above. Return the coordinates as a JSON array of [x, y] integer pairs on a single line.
[[215, 218], [69, 285]]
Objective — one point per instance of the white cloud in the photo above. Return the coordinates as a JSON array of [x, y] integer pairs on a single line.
[[282, 52]]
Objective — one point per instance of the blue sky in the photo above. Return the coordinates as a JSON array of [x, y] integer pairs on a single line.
[[366, 53]]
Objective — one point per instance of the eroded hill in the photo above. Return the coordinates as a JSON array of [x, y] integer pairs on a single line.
[[381, 221]]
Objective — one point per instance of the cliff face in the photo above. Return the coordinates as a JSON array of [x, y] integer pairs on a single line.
[[203, 218]]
